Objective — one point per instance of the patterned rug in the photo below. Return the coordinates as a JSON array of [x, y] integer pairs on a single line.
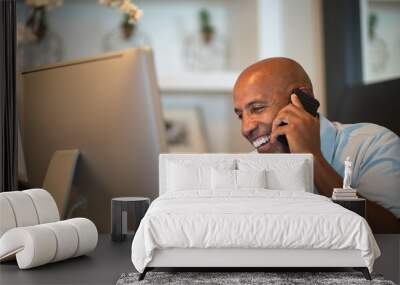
[[229, 278]]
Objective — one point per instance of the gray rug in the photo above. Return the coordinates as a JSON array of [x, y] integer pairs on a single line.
[[228, 278]]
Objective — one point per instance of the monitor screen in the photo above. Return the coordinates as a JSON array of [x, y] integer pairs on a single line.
[[108, 107]]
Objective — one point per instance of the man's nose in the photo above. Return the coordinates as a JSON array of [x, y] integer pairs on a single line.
[[248, 125]]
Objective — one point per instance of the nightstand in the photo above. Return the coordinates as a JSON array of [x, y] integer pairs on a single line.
[[357, 205], [127, 211]]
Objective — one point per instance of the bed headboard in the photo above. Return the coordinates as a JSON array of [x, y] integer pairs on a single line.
[[165, 158]]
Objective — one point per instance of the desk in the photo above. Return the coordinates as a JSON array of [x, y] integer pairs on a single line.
[[102, 266]]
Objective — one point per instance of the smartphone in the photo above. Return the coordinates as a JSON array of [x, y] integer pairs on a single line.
[[309, 103]]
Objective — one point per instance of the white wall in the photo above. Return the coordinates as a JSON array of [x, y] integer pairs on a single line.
[[83, 25], [294, 29]]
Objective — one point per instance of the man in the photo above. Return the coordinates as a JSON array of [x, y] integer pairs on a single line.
[[261, 99]]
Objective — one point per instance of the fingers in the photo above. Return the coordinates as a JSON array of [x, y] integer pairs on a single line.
[[291, 115], [294, 124], [296, 101], [294, 110], [282, 130], [286, 115]]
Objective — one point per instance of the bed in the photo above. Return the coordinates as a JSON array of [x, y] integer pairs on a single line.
[[246, 211]]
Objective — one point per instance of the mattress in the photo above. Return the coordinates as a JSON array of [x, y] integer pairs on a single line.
[[251, 219]]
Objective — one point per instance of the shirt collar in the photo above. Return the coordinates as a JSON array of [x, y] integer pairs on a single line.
[[328, 136]]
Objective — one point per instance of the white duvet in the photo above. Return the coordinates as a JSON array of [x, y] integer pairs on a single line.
[[250, 218]]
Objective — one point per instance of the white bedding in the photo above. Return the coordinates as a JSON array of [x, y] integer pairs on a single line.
[[251, 218]]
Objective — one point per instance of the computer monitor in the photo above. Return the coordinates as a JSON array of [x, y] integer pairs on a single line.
[[109, 108]]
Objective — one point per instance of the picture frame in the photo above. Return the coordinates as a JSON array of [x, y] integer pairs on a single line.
[[185, 130]]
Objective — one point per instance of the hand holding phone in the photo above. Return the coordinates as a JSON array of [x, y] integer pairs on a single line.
[[309, 103]]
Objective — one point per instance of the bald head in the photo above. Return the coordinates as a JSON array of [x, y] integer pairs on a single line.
[[276, 74], [261, 91]]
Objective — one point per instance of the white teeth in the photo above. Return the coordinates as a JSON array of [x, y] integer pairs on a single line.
[[260, 141]]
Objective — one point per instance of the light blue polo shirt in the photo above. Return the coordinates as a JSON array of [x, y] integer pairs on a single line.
[[375, 153]]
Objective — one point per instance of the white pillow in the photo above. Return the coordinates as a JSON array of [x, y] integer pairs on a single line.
[[193, 174], [182, 178], [237, 179], [293, 180], [223, 179], [251, 178], [281, 174]]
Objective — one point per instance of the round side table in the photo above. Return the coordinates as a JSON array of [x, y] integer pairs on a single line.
[[126, 211]]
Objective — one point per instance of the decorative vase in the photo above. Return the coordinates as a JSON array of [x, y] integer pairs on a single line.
[[125, 35], [37, 22], [205, 51], [39, 44]]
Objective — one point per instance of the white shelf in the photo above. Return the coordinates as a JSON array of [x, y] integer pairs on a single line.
[[196, 82]]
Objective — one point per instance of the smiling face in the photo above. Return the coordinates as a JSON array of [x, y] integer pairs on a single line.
[[260, 92]]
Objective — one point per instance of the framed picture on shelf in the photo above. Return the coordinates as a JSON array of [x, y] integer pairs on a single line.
[[380, 40], [185, 130]]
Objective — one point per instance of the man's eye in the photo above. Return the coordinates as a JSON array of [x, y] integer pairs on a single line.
[[239, 116], [258, 109]]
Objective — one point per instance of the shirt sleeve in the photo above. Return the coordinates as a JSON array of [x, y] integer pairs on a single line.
[[379, 176]]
